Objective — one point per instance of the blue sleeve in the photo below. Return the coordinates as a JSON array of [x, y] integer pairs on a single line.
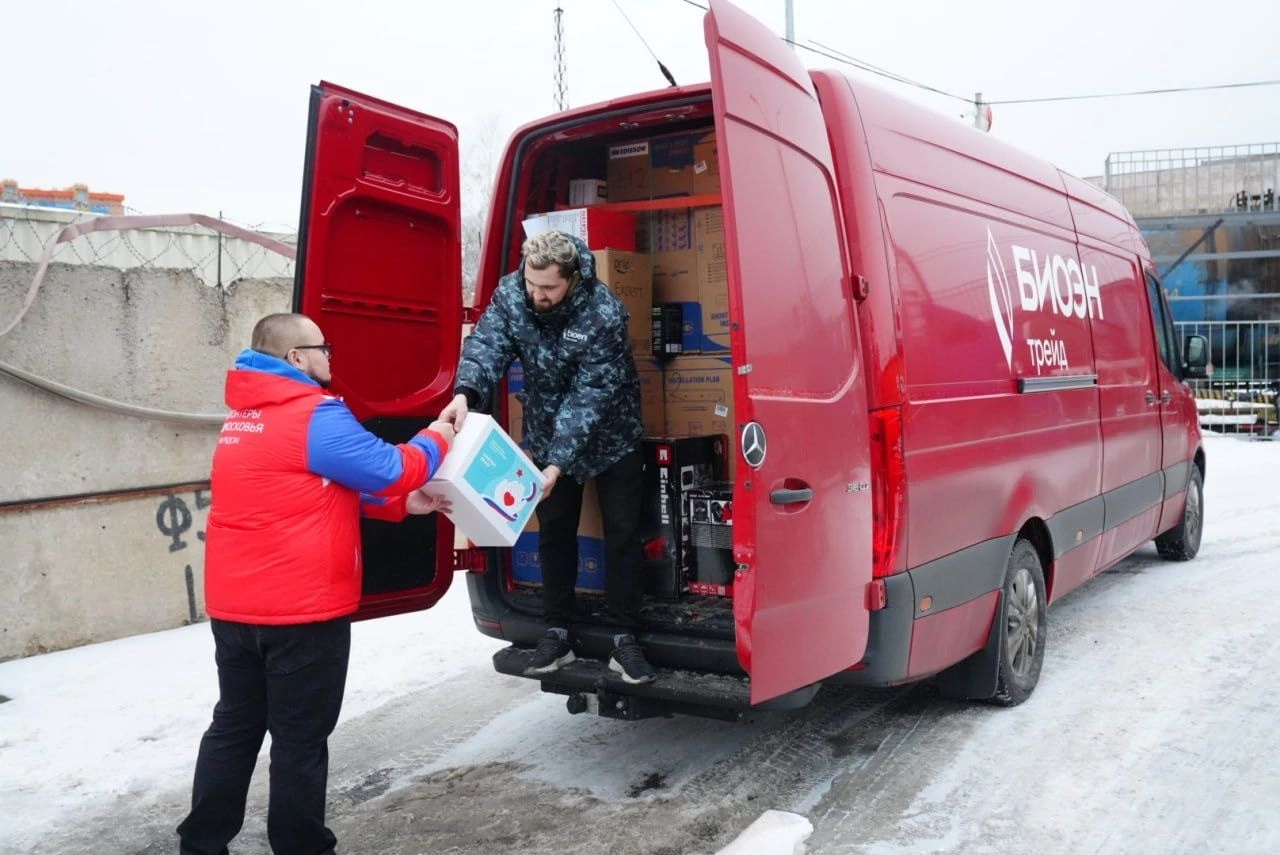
[[339, 448]]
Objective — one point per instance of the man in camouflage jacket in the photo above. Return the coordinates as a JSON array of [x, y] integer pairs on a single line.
[[581, 402]]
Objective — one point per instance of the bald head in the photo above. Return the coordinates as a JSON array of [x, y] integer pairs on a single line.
[[298, 341], [275, 334]]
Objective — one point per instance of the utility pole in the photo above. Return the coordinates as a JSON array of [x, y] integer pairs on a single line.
[[791, 26], [562, 94], [981, 113]]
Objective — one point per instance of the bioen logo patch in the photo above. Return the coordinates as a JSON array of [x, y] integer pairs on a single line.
[[628, 150], [1058, 286]]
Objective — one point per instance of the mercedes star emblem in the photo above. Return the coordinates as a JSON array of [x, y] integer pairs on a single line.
[[754, 445]]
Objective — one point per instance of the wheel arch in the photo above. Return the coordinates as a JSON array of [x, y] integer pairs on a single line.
[[1036, 532]]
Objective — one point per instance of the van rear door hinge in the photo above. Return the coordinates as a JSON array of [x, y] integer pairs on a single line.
[[861, 288], [469, 315]]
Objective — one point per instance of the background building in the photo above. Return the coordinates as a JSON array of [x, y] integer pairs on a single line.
[[75, 198]]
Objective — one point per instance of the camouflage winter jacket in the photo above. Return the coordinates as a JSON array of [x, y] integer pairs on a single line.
[[581, 393]]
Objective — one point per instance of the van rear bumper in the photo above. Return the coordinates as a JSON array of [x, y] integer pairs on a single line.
[[888, 637]]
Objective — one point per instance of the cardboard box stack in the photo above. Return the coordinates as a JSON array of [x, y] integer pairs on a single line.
[[670, 272]]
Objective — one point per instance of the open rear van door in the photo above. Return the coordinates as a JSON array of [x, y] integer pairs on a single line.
[[802, 491], [379, 268]]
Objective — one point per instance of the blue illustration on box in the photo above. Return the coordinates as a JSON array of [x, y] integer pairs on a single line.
[[503, 480]]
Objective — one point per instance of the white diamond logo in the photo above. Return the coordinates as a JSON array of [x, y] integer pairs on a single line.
[[1001, 298]]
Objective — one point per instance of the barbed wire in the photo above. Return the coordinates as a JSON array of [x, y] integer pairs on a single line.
[[218, 253], [215, 259]]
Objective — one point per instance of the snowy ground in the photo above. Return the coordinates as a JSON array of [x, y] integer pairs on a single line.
[[1153, 729]]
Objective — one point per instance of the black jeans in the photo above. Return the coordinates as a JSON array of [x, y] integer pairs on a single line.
[[286, 680], [621, 490]]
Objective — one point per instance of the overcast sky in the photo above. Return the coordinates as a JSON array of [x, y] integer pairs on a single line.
[[202, 106]]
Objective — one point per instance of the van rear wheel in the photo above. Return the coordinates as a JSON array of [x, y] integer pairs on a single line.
[[1021, 626], [1182, 542]]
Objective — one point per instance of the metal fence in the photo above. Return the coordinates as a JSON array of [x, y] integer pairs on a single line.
[[1241, 396], [1203, 180]]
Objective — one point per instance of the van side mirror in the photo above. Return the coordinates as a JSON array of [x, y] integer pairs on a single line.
[[1195, 357]]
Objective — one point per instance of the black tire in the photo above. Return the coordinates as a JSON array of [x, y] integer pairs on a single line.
[[1182, 542], [1021, 626]]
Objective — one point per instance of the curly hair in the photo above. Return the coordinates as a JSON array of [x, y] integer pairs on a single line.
[[542, 251]]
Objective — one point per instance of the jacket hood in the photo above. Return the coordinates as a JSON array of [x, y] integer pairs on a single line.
[[586, 258], [259, 380]]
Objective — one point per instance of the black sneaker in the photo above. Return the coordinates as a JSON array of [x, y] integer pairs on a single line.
[[552, 653], [628, 661]]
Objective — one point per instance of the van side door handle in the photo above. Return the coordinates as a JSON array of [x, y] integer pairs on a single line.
[[791, 497], [1151, 397], [1166, 397]]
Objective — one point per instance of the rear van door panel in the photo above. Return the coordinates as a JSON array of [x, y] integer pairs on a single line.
[[803, 514], [379, 269]]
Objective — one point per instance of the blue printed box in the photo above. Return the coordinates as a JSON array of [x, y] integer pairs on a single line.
[[527, 570]]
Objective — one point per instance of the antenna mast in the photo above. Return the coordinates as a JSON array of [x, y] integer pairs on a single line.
[[562, 95]]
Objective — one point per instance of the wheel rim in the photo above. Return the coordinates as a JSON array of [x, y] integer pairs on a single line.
[[1192, 515], [1023, 614]]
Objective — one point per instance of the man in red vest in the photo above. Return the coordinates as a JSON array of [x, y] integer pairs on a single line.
[[293, 472]]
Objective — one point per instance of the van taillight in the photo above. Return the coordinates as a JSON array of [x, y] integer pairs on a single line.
[[888, 491]]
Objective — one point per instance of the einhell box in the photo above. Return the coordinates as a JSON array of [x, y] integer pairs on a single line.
[[628, 171], [601, 229], [588, 191], [629, 276], [711, 565], [673, 466], [492, 484], [526, 567]]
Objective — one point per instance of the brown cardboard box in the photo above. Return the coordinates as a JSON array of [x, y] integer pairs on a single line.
[[652, 405], [629, 276], [706, 166], [666, 230], [675, 276], [674, 162], [671, 162], [698, 395], [713, 283], [628, 171], [669, 236]]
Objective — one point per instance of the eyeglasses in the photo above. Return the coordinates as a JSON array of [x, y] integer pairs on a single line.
[[326, 348]]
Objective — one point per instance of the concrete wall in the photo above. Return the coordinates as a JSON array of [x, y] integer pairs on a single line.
[[101, 514]]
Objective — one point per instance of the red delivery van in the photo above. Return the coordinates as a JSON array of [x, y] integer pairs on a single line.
[[951, 386]]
